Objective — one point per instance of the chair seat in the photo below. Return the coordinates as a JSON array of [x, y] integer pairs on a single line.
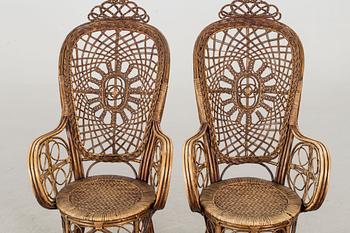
[[105, 198], [250, 202]]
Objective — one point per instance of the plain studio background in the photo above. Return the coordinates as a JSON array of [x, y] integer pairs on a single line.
[[31, 36]]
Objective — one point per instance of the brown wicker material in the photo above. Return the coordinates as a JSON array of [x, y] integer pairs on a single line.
[[250, 201], [105, 198], [248, 74], [113, 74]]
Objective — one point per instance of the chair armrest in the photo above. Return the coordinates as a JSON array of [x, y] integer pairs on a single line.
[[50, 165], [161, 164], [308, 172], [195, 168]]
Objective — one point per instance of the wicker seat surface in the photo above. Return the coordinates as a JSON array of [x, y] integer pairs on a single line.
[[105, 198], [250, 202]]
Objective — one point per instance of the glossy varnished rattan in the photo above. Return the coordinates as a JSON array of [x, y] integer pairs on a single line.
[[250, 202], [248, 76], [105, 198]]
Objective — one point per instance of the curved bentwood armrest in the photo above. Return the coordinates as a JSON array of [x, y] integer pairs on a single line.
[[308, 172], [50, 165], [160, 169], [196, 168]]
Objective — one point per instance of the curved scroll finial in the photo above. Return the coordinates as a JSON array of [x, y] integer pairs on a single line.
[[250, 8], [118, 9]]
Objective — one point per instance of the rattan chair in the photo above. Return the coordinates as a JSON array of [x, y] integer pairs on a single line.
[[113, 75], [248, 71]]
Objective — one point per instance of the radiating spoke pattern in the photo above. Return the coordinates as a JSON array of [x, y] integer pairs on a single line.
[[249, 78], [114, 84]]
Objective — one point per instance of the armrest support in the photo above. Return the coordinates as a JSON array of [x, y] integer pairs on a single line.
[[160, 169], [195, 168], [50, 165], [309, 169]]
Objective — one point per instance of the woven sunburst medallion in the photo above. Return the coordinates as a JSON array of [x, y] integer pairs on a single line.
[[253, 87], [115, 91], [248, 91]]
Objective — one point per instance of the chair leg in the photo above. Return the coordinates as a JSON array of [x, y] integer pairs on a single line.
[[136, 227], [78, 230], [218, 229], [150, 228], [212, 227], [294, 227], [65, 225]]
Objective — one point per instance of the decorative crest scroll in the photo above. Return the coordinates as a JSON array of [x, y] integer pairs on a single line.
[[250, 8], [119, 9]]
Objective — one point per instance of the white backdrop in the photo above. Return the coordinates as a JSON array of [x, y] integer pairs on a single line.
[[31, 35]]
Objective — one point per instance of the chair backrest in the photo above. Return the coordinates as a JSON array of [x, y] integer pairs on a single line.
[[114, 74], [248, 68]]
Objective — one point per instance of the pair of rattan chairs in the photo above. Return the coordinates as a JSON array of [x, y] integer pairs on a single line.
[[113, 74]]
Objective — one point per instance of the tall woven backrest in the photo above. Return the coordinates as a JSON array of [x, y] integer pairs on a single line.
[[114, 74], [247, 70]]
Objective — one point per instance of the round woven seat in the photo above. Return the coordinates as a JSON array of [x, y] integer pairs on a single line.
[[105, 198], [250, 202]]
